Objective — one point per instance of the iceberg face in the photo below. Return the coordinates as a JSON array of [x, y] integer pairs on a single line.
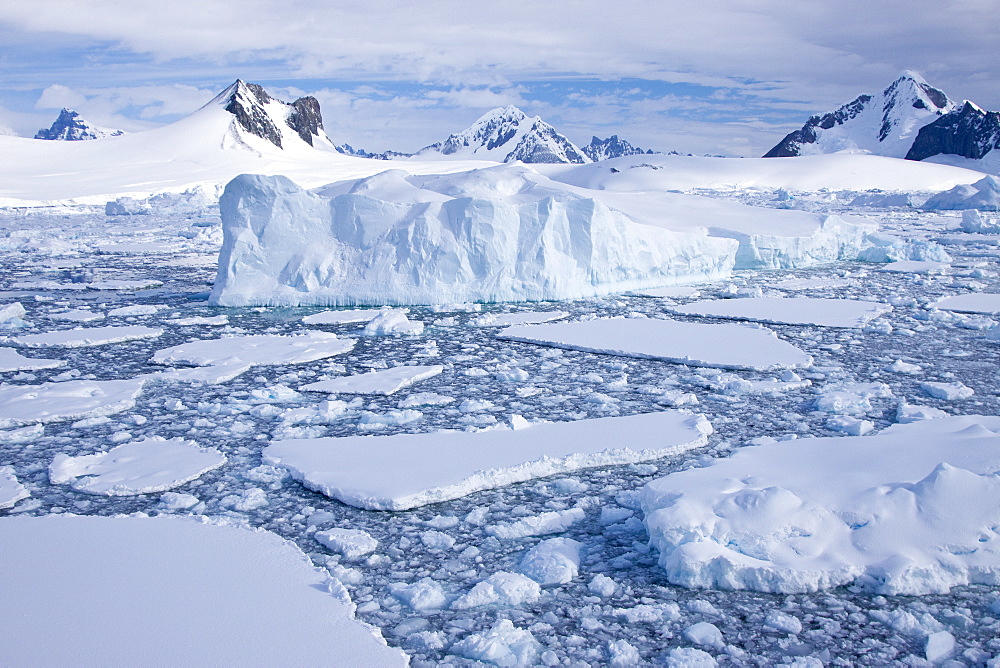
[[286, 246]]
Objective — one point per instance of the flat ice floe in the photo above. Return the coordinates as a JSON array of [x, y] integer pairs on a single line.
[[404, 471], [669, 292], [82, 337], [915, 267], [385, 381], [522, 318], [343, 317], [69, 400], [715, 345], [200, 375], [890, 512], [978, 302], [789, 311], [256, 350], [11, 360], [153, 464], [182, 591]]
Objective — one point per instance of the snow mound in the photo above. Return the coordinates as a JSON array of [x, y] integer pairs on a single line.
[[716, 345], [404, 471], [502, 645], [983, 195], [889, 512], [53, 402], [180, 592], [789, 311], [151, 465], [258, 349], [286, 246]]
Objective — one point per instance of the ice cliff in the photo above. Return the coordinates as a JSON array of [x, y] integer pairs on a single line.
[[499, 234]]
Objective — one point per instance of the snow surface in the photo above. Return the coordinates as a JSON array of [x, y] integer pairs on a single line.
[[154, 464], [383, 382], [86, 336], [889, 511], [725, 346], [410, 470], [173, 591], [978, 302], [789, 311], [53, 402], [257, 349]]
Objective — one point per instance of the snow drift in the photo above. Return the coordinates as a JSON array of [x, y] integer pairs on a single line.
[[497, 234]]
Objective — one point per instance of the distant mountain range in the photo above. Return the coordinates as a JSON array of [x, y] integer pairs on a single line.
[[909, 119], [70, 126]]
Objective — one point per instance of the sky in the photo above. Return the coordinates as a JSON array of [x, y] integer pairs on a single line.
[[708, 77]]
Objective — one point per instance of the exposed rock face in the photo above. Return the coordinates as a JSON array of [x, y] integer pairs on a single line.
[[507, 134], [612, 147], [883, 124], [263, 116], [69, 126], [347, 149], [969, 132]]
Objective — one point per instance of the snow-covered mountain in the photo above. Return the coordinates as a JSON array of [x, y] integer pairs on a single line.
[[263, 116], [70, 126], [612, 147], [909, 119], [347, 149], [882, 124], [507, 134]]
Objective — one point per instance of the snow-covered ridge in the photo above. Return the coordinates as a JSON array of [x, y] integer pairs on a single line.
[[612, 147], [70, 126], [507, 134]]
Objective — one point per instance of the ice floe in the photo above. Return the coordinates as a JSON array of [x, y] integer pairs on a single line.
[[553, 561], [82, 337], [11, 490], [11, 360], [76, 315], [256, 350], [173, 587], [669, 292], [154, 464], [915, 267], [520, 318], [716, 345], [978, 302], [502, 589], [789, 311], [890, 512], [68, 400], [342, 317], [384, 381], [393, 322], [9, 312], [205, 321], [350, 543], [404, 471]]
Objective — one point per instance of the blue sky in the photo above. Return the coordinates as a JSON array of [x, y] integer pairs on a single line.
[[727, 78]]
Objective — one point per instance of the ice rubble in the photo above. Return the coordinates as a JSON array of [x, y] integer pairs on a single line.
[[53, 402], [257, 349], [186, 592], [889, 511], [385, 381], [154, 464], [404, 471], [498, 234], [729, 346], [791, 311]]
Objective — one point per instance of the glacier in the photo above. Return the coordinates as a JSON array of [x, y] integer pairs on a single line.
[[387, 241]]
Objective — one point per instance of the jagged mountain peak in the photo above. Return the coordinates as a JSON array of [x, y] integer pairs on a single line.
[[264, 116], [70, 126], [612, 147], [507, 134]]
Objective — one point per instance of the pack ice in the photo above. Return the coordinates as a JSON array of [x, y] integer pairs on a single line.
[[891, 512], [497, 234]]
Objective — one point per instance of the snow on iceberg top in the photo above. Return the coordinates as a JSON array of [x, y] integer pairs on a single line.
[[890, 512]]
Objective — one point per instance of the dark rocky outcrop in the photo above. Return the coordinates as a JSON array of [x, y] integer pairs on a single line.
[[969, 132]]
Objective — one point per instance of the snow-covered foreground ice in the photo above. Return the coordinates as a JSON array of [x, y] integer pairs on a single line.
[[409, 470], [154, 464], [979, 302], [258, 349], [789, 311], [911, 510], [384, 382], [86, 336], [724, 346], [53, 402], [170, 591]]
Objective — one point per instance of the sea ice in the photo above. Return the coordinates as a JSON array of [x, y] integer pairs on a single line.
[[947, 391], [978, 302], [384, 381], [343, 317], [915, 267], [425, 594], [206, 321], [202, 375], [555, 521], [69, 400], [974, 223], [552, 562], [521, 238], [502, 645], [393, 321], [11, 360], [789, 311], [180, 592], [669, 292], [76, 315], [502, 589], [256, 350], [11, 491], [715, 345], [86, 336], [888, 511], [520, 318], [404, 471], [351, 543], [154, 464], [14, 311], [134, 310], [983, 195]]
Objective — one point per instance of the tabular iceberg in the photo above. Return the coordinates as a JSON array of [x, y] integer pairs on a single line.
[[390, 241]]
